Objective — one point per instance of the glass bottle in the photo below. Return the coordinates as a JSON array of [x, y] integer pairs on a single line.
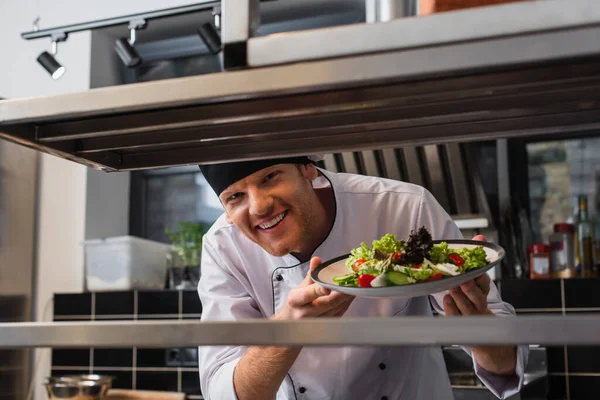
[[585, 240]]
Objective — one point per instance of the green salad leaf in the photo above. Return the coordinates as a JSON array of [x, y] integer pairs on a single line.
[[474, 258], [388, 244], [360, 253], [439, 253]]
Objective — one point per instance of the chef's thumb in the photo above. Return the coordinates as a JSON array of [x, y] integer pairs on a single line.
[[314, 263]]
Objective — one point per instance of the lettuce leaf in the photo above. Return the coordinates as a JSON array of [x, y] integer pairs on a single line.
[[474, 258], [439, 253], [388, 244], [360, 253]]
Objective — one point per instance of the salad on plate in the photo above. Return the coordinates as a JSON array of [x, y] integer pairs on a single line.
[[393, 262]]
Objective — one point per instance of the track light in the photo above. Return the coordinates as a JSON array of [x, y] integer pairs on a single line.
[[48, 61], [209, 35], [124, 47]]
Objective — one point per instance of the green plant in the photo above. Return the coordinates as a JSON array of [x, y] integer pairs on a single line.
[[187, 242]]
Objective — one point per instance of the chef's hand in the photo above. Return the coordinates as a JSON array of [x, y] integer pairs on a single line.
[[470, 298], [310, 300]]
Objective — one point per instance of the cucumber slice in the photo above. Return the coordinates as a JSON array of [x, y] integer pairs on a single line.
[[398, 278]]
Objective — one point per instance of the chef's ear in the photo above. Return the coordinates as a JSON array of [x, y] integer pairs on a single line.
[[309, 171]]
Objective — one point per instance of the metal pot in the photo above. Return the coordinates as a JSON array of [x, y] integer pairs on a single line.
[[78, 387]]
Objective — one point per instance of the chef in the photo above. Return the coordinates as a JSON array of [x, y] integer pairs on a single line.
[[282, 217]]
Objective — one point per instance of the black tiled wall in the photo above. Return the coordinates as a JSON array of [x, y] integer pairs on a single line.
[[139, 368], [574, 371]]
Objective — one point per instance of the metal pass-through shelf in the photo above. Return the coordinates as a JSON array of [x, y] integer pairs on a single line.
[[524, 69]]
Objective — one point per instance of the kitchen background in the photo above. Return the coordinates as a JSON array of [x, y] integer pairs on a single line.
[[50, 207]]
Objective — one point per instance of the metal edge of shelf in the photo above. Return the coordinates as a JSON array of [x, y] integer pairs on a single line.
[[349, 72], [405, 331], [473, 24]]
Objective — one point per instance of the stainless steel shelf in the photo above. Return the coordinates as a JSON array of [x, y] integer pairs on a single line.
[[527, 68], [409, 331]]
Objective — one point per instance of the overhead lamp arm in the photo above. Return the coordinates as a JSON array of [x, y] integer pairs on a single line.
[[108, 22]]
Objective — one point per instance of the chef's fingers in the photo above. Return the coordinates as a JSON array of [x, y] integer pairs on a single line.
[[334, 299], [302, 296], [339, 310], [483, 281], [462, 302], [475, 295], [450, 307], [479, 238], [314, 263]]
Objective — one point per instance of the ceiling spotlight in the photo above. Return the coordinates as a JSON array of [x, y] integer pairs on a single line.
[[209, 35], [124, 47], [48, 61]]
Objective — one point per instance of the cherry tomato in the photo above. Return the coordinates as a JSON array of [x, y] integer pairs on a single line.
[[358, 263], [456, 259], [397, 256], [365, 280], [435, 277], [418, 266]]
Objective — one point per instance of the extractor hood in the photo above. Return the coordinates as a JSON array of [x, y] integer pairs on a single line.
[[519, 69]]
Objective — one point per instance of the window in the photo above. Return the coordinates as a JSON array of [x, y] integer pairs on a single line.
[[560, 171]]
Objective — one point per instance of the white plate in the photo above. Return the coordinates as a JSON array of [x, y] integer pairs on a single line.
[[325, 273]]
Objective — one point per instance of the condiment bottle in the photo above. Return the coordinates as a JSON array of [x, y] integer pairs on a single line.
[[562, 249], [539, 261], [585, 239]]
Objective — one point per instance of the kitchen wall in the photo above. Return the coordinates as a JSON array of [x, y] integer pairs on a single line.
[[62, 187]]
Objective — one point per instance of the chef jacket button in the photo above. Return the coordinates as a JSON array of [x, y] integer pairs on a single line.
[[302, 389], [279, 277], [382, 366], [384, 398]]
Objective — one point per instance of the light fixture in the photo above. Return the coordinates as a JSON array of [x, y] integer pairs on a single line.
[[48, 61], [209, 35], [124, 47]]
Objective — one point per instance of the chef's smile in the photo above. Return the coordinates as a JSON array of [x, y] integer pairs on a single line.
[[272, 225]]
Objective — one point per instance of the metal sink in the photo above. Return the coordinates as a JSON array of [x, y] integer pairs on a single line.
[[466, 385]]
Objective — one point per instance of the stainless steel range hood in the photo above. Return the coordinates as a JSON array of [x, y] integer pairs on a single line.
[[514, 70]]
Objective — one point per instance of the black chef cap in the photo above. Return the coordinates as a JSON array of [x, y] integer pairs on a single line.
[[221, 176]]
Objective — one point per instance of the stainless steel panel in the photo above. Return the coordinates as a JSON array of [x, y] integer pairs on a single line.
[[471, 25], [302, 77], [436, 176], [400, 112], [413, 166], [408, 331], [329, 160], [459, 178], [349, 163], [392, 169], [370, 163]]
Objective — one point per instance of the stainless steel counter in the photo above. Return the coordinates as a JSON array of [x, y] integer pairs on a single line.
[[409, 331]]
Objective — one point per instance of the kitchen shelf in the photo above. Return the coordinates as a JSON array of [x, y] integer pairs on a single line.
[[520, 69], [408, 331]]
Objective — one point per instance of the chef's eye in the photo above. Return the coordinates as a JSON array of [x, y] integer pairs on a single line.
[[270, 176], [235, 196]]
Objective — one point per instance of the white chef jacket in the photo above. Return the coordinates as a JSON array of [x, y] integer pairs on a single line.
[[240, 280]]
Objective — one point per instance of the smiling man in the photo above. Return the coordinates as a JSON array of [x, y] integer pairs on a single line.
[[282, 217]]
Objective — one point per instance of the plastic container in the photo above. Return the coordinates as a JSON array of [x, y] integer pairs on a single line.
[[539, 261], [125, 262], [562, 247]]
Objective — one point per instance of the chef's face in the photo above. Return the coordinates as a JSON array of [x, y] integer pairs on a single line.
[[274, 207]]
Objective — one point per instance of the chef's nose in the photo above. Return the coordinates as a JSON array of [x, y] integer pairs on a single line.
[[261, 203]]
